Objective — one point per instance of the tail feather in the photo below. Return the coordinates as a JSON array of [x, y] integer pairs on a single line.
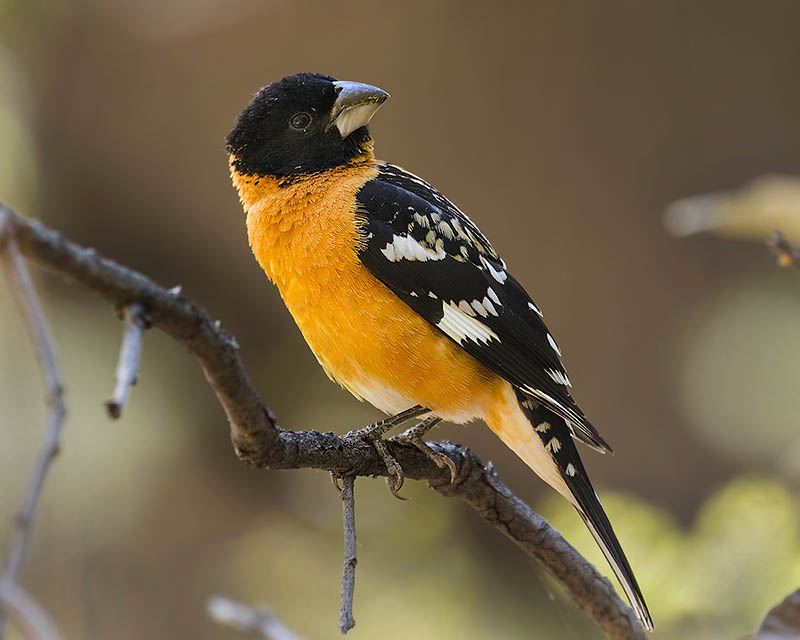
[[609, 545], [555, 435]]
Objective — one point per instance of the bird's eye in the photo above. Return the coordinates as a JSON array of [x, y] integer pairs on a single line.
[[300, 120]]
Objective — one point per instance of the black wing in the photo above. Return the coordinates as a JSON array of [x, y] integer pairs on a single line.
[[436, 260]]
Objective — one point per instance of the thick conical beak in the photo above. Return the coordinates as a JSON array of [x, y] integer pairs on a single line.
[[355, 105]]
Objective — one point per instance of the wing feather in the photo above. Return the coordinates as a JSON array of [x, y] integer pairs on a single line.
[[437, 261]]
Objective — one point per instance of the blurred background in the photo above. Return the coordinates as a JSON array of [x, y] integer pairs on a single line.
[[564, 130]]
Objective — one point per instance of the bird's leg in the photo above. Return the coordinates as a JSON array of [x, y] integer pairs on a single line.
[[374, 435], [414, 435], [377, 429]]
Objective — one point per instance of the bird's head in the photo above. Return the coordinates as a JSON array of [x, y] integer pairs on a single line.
[[303, 124]]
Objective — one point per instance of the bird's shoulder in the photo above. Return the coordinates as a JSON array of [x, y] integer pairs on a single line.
[[403, 201]]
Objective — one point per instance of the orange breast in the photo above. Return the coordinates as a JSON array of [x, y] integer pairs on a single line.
[[305, 238]]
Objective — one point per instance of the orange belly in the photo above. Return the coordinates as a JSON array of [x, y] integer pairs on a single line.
[[305, 238], [381, 351]]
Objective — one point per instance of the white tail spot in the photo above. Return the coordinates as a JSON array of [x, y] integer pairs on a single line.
[[554, 445]]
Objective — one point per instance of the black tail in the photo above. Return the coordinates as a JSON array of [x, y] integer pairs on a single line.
[[556, 437], [591, 512]]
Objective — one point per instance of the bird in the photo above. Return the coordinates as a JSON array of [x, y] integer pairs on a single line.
[[401, 298]]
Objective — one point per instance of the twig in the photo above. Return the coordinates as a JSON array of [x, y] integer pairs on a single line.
[[28, 614], [24, 293], [783, 620], [346, 620], [130, 353], [240, 617], [260, 442], [787, 255]]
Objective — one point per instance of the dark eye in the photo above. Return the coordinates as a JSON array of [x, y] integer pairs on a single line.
[[300, 120]]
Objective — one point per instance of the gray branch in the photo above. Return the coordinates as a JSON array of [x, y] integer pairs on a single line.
[[346, 620], [244, 619], [24, 294], [261, 443], [26, 613], [130, 354], [786, 254]]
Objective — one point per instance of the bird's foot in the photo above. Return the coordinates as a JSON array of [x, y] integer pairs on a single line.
[[414, 435], [374, 435]]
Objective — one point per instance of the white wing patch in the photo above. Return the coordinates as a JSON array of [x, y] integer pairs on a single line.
[[460, 326], [483, 308], [558, 407], [466, 308], [559, 377], [500, 276], [404, 247], [476, 304], [533, 307], [460, 224], [446, 230], [553, 344]]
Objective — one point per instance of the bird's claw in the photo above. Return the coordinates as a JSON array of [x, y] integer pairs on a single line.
[[396, 476], [373, 435], [441, 460]]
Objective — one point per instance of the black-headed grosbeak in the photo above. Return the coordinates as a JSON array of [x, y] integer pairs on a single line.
[[401, 298]]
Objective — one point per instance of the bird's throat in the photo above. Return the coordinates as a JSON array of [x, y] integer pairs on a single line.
[[304, 224]]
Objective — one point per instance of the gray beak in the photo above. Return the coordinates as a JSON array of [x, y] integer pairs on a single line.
[[355, 105]]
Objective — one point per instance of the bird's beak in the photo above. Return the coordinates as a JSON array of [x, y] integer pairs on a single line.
[[355, 105]]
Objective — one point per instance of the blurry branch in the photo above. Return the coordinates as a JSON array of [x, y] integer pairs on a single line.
[[787, 255], [245, 619], [783, 620], [346, 620], [260, 442], [130, 353], [26, 613], [24, 294], [751, 212]]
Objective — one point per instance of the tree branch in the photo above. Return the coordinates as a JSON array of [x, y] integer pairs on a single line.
[[787, 255], [240, 617], [346, 620], [27, 614], [130, 354], [260, 442], [24, 293]]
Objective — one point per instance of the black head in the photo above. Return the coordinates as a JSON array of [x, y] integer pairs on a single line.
[[303, 124]]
